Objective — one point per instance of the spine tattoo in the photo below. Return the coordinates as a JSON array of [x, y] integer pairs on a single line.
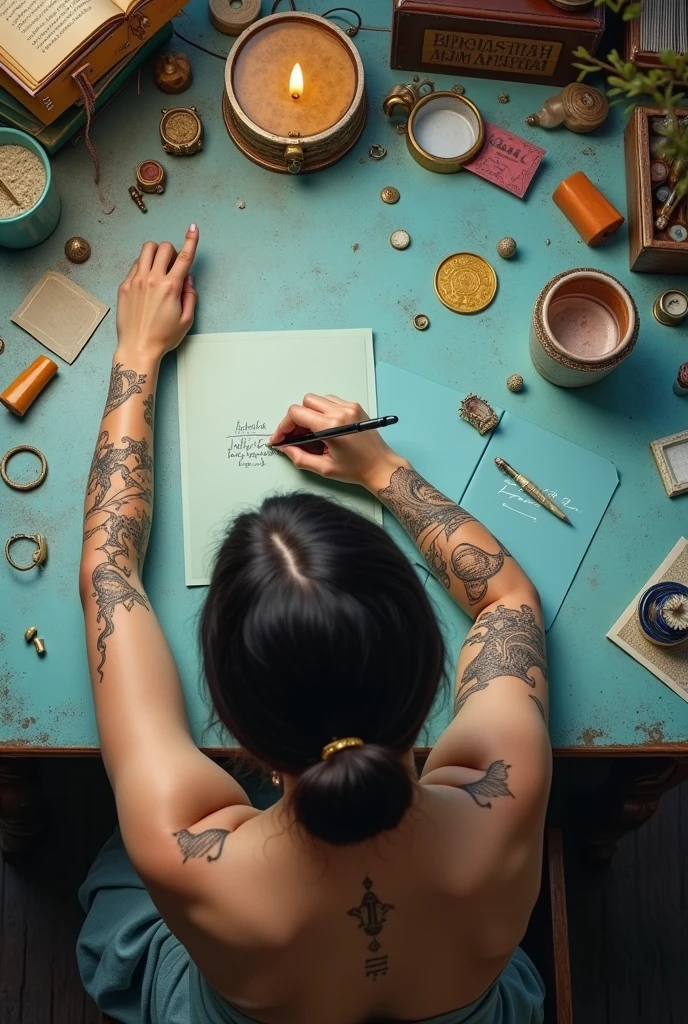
[[427, 514], [119, 500], [371, 914], [199, 844], [512, 645], [493, 783]]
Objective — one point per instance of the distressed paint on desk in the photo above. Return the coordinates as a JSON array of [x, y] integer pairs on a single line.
[[313, 252]]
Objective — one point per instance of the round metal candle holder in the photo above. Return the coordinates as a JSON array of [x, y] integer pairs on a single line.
[[257, 76], [421, 103]]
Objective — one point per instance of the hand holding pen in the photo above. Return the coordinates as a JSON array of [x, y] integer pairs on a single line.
[[354, 453]]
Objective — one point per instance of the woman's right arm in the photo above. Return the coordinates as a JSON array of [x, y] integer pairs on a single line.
[[500, 705]]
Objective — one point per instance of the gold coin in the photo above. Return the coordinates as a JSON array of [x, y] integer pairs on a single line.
[[465, 282]]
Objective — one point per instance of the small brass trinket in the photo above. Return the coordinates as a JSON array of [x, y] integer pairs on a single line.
[[506, 247], [400, 239], [150, 176], [181, 131], [465, 283], [503, 97], [39, 556], [39, 644], [377, 152], [579, 107], [421, 322], [390, 195], [514, 382], [671, 307], [77, 249], [138, 198], [30, 633], [478, 413], [172, 72]]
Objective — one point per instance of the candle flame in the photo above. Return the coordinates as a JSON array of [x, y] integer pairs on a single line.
[[296, 82]]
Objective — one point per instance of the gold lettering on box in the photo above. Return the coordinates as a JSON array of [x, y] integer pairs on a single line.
[[490, 53]]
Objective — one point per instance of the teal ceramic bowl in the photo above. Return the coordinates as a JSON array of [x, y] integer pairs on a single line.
[[34, 225]]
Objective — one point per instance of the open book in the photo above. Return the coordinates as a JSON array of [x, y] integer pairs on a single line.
[[39, 38]]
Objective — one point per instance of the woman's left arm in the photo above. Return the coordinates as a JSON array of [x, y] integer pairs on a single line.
[[162, 783]]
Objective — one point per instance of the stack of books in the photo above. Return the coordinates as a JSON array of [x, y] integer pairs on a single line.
[[59, 61]]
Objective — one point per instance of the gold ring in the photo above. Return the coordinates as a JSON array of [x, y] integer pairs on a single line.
[[39, 556], [33, 483]]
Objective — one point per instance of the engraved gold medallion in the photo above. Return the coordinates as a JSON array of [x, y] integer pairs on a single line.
[[181, 131], [465, 283]]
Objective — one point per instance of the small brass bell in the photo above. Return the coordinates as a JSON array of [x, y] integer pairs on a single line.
[[172, 72]]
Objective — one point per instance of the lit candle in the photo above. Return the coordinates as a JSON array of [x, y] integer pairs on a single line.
[[296, 82]]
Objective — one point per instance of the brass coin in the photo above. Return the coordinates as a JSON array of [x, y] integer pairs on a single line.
[[390, 194], [465, 283]]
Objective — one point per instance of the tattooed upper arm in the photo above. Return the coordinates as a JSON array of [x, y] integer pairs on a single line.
[[513, 644]]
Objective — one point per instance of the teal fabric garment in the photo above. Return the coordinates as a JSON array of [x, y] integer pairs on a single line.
[[136, 970]]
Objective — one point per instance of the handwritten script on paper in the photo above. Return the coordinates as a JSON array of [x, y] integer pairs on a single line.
[[515, 496], [247, 447], [507, 160]]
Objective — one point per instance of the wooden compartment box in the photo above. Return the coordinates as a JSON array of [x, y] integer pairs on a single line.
[[647, 254], [518, 40]]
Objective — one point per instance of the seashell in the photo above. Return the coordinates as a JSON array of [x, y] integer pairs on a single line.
[[579, 107]]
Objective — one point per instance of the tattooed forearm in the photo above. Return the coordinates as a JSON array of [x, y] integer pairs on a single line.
[[123, 384], [417, 505], [371, 914], [110, 588], [200, 844], [149, 409], [118, 531], [108, 460], [493, 783], [512, 645], [539, 705]]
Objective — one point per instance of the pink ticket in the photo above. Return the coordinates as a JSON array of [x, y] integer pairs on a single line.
[[506, 160]]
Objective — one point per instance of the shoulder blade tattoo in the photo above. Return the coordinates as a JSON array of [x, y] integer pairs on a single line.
[[200, 844], [418, 505], [123, 384], [493, 783], [513, 645]]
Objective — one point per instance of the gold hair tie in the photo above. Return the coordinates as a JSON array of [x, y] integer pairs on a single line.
[[336, 745]]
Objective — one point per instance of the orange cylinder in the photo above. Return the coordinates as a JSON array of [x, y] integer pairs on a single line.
[[591, 214], [28, 385]]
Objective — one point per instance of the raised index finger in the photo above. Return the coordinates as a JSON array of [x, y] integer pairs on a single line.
[[185, 257]]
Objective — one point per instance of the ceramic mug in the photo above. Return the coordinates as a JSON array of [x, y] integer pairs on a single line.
[[584, 324], [35, 224]]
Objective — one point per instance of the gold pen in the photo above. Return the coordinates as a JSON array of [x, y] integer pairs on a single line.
[[532, 490]]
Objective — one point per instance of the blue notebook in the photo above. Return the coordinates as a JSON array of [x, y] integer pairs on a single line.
[[454, 457]]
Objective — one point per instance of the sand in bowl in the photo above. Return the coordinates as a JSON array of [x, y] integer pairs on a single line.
[[23, 174]]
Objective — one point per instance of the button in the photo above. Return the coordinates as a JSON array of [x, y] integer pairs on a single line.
[[390, 195], [400, 239]]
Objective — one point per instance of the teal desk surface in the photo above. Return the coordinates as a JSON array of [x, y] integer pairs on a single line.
[[282, 252]]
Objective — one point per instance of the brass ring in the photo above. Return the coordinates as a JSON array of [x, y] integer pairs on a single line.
[[15, 451], [377, 152], [39, 556]]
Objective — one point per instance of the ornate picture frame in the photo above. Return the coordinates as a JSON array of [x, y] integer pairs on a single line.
[[671, 455]]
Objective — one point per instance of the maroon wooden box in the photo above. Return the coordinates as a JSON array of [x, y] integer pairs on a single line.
[[517, 40]]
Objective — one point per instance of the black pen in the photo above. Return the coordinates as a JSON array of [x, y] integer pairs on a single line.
[[347, 428]]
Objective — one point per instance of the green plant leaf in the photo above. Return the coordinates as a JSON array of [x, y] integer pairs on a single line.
[[632, 12]]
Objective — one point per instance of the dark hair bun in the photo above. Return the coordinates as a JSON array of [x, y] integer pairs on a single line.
[[353, 795]]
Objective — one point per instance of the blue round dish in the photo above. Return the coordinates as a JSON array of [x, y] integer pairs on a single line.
[[35, 224], [651, 614]]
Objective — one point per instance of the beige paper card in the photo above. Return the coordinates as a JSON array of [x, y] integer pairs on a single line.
[[60, 314], [670, 664]]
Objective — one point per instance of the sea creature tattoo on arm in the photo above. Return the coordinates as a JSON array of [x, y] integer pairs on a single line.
[[371, 914], [111, 578], [422, 509], [493, 783], [199, 844], [123, 384], [513, 644], [418, 506]]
